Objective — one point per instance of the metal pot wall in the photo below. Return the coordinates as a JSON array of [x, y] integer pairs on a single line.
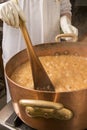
[[49, 110]]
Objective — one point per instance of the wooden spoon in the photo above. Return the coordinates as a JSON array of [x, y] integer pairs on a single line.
[[40, 77]]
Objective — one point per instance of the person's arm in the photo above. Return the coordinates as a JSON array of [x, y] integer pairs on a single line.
[[66, 18], [10, 13]]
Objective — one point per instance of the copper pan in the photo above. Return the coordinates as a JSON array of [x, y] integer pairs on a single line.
[[44, 110]]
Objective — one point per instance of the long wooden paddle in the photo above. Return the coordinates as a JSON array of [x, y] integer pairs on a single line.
[[40, 77]]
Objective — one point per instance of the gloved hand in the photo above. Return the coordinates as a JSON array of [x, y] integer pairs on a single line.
[[10, 13], [66, 26]]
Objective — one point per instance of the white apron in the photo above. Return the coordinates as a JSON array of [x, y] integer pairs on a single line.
[[42, 23]]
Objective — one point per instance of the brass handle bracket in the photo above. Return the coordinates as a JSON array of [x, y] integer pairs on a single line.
[[73, 37], [46, 109]]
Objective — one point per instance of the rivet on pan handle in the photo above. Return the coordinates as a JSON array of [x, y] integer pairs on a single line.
[[46, 109], [73, 37]]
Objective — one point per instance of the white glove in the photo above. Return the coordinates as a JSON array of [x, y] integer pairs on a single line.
[[10, 13], [66, 26]]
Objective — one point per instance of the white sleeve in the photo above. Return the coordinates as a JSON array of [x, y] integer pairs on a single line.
[[65, 7]]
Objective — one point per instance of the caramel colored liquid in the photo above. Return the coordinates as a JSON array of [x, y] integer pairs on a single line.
[[67, 73]]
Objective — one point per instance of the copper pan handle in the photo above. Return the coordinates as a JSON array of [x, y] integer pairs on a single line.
[[73, 37], [46, 109]]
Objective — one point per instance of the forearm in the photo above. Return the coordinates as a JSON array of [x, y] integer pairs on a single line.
[[65, 9]]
